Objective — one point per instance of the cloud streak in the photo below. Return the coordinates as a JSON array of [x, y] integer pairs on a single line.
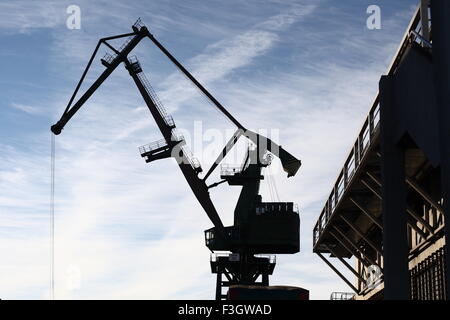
[[25, 108], [23, 16], [126, 225]]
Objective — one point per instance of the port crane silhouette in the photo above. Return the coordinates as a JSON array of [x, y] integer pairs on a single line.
[[259, 227]]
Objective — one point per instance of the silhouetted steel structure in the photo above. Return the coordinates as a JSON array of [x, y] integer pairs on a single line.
[[342, 296], [259, 227], [388, 206]]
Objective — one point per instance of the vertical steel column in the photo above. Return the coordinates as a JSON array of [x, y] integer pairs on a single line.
[[265, 279], [219, 284], [395, 245], [440, 12], [425, 19]]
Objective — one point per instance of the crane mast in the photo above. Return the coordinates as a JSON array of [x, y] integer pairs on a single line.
[[259, 227], [174, 144]]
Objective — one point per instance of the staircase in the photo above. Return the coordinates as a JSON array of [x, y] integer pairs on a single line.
[[162, 111], [162, 149]]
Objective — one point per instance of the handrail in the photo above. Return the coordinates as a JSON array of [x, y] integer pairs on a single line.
[[365, 137], [193, 161], [167, 118], [139, 24], [109, 58], [229, 170], [152, 146], [351, 166], [342, 296], [271, 257]]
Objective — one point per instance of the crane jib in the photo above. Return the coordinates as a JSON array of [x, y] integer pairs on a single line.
[[166, 123]]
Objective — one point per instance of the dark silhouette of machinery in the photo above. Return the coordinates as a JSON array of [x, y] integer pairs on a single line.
[[259, 227]]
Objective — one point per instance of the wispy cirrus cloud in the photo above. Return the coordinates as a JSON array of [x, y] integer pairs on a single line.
[[25, 108], [103, 186], [126, 225], [221, 58], [22, 16]]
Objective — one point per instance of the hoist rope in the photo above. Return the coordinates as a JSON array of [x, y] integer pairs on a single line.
[[52, 220], [269, 185], [274, 183]]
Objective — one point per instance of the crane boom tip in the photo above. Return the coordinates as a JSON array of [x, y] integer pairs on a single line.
[[56, 128]]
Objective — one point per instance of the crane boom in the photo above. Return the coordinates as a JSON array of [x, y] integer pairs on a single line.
[[70, 111], [166, 124], [196, 83], [289, 162], [198, 186]]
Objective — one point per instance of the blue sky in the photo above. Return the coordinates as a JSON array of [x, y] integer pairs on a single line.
[[127, 229]]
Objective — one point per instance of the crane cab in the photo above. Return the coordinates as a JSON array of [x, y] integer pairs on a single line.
[[272, 227]]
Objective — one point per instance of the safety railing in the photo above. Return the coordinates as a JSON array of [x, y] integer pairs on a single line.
[[214, 257], [162, 111], [416, 37], [270, 257], [342, 296], [109, 57], [138, 24], [127, 41], [229, 170], [133, 59], [193, 161], [275, 207], [351, 166], [366, 136], [232, 231], [152, 146], [176, 137], [184, 149]]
